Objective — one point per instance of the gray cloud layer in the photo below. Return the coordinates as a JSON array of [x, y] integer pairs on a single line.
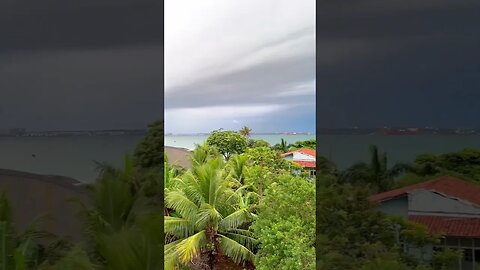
[[404, 63], [80, 64], [59, 25], [250, 70]]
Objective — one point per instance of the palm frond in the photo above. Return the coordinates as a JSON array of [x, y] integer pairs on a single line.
[[179, 202], [237, 252], [207, 215], [247, 241], [190, 247], [179, 227], [235, 219], [113, 199]]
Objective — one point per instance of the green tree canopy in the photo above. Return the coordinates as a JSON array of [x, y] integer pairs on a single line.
[[464, 163], [268, 158], [312, 144], [149, 152], [286, 233], [350, 230], [257, 143], [227, 142]]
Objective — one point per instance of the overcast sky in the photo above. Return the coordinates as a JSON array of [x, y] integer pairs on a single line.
[[80, 64], [233, 63], [398, 63], [88, 64]]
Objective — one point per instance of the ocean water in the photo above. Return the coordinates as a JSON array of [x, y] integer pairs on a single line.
[[67, 156], [74, 156]]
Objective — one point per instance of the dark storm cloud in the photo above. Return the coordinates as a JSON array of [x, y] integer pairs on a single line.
[[80, 64], [81, 89], [404, 63], [59, 25]]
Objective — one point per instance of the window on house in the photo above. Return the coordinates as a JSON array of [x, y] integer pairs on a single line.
[[477, 243], [466, 242], [468, 255], [451, 242], [477, 255]]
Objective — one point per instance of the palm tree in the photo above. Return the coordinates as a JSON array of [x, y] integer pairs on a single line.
[[237, 165], [283, 146], [245, 131], [118, 218], [376, 173], [211, 220], [202, 153], [28, 249]]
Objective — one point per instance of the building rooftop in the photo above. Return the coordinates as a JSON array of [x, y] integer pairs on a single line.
[[306, 151], [306, 164], [449, 226], [447, 185]]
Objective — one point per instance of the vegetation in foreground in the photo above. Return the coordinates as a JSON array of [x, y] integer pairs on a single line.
[[227, 212], [239, 207]]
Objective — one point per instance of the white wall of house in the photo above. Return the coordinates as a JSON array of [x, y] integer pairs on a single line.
[[424, 202], [301, 156]]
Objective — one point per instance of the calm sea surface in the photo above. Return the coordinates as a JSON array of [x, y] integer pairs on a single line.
[[68, 156], [74, 156]]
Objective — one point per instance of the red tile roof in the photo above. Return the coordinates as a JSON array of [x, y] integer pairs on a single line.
[[306, 164], [446, 185], [306, 151], [449, 226]]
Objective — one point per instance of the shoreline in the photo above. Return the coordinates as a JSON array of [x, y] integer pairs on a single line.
[[178, 156], [64, 181], [34, 195]]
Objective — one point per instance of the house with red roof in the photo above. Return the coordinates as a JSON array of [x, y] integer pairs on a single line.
[[305, 158], [447, 206]]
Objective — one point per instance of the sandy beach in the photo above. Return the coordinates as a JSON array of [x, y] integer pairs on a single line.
[[33, 195], [178, 156]]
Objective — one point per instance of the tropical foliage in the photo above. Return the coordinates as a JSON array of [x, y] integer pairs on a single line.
[[148, 152], [222, 211], [376, 174], [210, 220], [286, 234], [240, 206], [227, 142], [312, 143], [464, 163], [245, 131]]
